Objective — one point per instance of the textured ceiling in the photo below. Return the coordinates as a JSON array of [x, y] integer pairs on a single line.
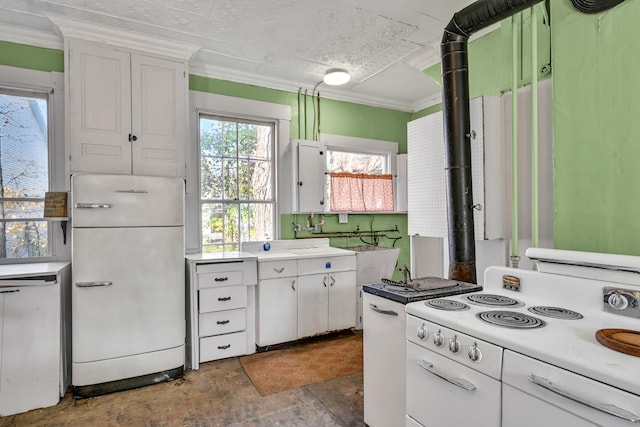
[[284, 44]]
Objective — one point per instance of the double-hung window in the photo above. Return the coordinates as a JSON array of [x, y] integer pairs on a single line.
[[24, 174], [237, 181]]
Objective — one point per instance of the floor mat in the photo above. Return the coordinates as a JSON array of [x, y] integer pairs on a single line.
[[279, 370]]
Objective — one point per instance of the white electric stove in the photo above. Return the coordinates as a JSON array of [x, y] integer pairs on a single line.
[[523, 352]]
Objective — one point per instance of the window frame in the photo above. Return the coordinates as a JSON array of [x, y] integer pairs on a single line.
[[363, 146], [239, 201], [24, 81], [229, 106]]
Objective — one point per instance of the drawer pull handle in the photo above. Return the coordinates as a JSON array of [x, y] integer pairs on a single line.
[[428, 366], [602, 407], [381, 311], [278, 270], [92, 206], [10, 291], [220, 279], [223, 322], [224, 299], [224, 347], [92, 284]]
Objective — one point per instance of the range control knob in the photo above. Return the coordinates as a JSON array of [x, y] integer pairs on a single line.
[[454, 345], [474, 353], [423, 334], [438, 339], [618, 301]]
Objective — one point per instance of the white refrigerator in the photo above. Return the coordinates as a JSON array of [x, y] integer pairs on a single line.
[[128, 293]]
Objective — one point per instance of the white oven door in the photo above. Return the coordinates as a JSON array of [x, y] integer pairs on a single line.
[[537, 394], [444, 393]]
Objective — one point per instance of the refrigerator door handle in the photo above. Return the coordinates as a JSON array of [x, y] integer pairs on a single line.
[[92, 206], [92, 284]]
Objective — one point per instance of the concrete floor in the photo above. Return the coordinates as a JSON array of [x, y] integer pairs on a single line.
[[219, 394]]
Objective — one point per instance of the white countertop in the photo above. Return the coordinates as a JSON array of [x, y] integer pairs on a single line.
[[295, 249], [219, 256], [11, 271]]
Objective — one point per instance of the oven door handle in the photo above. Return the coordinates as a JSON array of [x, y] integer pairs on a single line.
[[381, 311], [603, 407], [428, 366]]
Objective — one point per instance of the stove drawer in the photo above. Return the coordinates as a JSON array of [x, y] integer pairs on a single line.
[[434, 400], [554, 396]]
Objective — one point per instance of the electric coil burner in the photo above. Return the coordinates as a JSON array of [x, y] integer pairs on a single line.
[[492, 300], [446, 304], [510, 319], [555, 312]]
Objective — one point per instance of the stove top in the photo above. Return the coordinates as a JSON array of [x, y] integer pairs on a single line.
[[557, 317], [419, 289]]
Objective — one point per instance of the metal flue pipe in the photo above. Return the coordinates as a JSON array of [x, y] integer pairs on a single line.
[[455, 107]]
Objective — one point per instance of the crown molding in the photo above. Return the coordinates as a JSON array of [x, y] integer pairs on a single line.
[[127, 39], [221, 73], [28, 36]]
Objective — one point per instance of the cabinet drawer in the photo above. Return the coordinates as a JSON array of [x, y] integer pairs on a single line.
[[222, 322], [223, 278], [275, 269], [326, 264], [222, 346], [222, 298]]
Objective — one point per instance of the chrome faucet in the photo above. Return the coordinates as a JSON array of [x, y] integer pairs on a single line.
[[406, 275]]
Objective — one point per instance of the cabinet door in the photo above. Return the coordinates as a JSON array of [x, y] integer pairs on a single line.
[[277, 311], [30, 369], [311, 177], [158, 88], [99, 108], [313, 302], [342, 300]]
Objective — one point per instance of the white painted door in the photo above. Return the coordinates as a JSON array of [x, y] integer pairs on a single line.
[[30, 348], [313, 301], [311, 178], [342, 300], [159, 91], [99, 108], [128, 291], [277, 311]]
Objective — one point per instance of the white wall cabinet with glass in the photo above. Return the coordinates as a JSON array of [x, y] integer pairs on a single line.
[[126, 111], [35, 331], [426, 187]]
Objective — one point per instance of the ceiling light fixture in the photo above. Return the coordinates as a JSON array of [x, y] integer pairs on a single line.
[[336, 77]]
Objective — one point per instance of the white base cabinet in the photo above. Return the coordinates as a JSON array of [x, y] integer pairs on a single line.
[[221, 301], [305, 296], [34, 370], [384, 331]]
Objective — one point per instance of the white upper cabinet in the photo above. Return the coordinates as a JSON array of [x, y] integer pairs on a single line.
[[426, 188], [127, 111], [311, 179]]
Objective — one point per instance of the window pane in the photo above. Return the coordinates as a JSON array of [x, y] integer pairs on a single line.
[[210, 173], [231, 224], [340, 161], [24, 173], [261, 181], [230, 179], [257, 221], [211, 224], [24, 239]]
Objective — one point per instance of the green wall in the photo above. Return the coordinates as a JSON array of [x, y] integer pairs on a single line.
[[596, 144], [33, 58]]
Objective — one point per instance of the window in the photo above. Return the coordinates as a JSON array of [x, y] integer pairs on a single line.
[[24, 174], [359, 182], [237, 182]]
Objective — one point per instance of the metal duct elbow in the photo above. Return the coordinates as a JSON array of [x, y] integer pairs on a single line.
[[594, 6], [455, 107]]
